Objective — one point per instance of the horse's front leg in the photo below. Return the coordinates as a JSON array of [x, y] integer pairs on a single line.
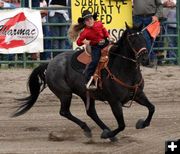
[[143, 100], [93, 114], [116, 108]]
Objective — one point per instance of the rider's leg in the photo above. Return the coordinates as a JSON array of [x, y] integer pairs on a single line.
[[95, 54]]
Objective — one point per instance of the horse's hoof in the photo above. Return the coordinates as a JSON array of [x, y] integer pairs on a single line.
[[113, 139], [140, 124], [88, 134], [105, 134]]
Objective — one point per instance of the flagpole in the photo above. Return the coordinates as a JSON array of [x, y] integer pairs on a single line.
[[30, 4], [147, 26], [178, 30]]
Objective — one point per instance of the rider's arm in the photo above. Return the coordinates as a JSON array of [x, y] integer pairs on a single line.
[[81, 38], [105, 32]]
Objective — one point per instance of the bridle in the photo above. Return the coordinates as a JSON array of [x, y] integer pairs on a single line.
[[124, 57], [137, 54], [141, 50]]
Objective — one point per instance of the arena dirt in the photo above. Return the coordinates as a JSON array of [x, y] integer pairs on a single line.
[[43, 131]]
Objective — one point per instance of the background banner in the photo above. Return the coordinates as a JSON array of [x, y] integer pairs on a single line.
[[20, 31], [112, 13]]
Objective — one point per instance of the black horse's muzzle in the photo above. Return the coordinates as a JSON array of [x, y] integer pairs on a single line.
[[141, 52], [142, 55]]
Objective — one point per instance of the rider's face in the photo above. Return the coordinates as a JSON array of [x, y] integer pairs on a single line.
[[89, 21]]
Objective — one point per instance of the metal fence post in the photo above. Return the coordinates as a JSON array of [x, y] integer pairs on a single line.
[[178, 29], [22, 3]]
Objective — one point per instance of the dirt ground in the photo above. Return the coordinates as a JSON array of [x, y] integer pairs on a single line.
[[43, 131]]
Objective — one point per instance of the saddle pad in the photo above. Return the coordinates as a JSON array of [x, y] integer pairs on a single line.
[[84, 58], [76, 64]]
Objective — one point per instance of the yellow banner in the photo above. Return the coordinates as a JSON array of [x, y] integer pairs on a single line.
[[112, 13]]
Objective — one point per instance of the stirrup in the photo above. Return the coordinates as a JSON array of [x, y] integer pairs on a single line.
[[90, 86]]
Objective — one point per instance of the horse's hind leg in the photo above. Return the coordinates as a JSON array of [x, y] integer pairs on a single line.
[[65, 111], [143, 100]]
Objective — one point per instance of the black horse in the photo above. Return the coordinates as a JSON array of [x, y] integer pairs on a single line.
[[121, 81]]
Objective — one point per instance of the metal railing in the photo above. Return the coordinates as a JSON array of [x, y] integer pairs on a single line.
[[178, 28], [24, 60]]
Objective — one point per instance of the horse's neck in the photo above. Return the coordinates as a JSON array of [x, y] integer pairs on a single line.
[[119, 63], [122, 67], [126, 71], [120, 54], [124, 47]]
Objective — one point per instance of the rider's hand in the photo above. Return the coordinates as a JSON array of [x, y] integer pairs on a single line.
[[154, 18], [86, 42], [111, 39]]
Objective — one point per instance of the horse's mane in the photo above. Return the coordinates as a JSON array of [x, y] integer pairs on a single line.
[[119, 43], [121, 46], [127, 31]]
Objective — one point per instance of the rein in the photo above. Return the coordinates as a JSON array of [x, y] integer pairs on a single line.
[[120, 82], [137, 53], [134, 87], [104, 65], [113, 77], [124, 57]]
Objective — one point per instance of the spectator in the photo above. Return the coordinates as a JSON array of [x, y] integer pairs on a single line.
[[169, 13], [58, 16], [35, 3], [46, 55], [8, 4], [144, 13], [17, 3]]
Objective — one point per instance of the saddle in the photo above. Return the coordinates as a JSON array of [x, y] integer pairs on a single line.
[[85, 58]]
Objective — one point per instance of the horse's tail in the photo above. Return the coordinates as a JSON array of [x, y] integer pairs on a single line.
[[36, 84]]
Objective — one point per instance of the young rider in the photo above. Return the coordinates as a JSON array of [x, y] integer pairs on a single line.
[[93, 33]]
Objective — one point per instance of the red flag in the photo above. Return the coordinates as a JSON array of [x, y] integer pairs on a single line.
[[154, 29]]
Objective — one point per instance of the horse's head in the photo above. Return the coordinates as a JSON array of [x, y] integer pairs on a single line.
[[133, 40]]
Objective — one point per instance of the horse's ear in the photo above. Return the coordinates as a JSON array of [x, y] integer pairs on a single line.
[[127, 27], [138, 27]]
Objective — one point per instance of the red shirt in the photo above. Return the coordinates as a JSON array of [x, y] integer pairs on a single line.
[[95, 34]]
